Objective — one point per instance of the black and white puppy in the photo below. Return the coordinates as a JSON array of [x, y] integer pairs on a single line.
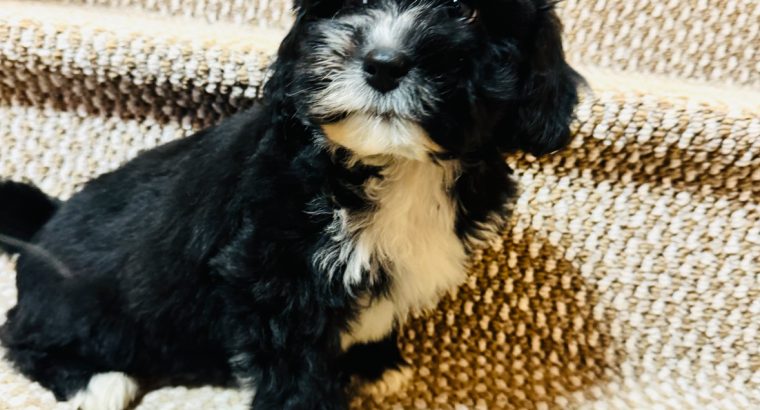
[[283, 248]]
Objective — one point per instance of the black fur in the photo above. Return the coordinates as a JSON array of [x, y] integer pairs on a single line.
[[370, 360], [193, 262]]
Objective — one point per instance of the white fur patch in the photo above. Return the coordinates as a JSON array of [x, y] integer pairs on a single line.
[[410, 234], [367, 135], [373, 324], [106, 391], [392, 25]]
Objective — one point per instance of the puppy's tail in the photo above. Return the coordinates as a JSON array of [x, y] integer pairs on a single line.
[[24, 209]]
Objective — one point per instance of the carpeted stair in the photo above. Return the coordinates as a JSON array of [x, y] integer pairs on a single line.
[[629, 277]]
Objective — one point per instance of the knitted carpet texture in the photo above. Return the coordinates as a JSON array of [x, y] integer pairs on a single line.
[[629, 275]]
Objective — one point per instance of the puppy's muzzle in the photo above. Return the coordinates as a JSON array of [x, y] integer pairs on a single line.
[[384, 68]]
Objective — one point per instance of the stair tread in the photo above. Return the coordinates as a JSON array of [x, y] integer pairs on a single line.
[[134, 24], [736, 99], [708, 41], [179, 50], [268, 13]]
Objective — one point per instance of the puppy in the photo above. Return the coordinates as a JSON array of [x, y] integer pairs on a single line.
[[284, 248]]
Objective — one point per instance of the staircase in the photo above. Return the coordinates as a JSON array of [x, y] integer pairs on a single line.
[[629, 276]]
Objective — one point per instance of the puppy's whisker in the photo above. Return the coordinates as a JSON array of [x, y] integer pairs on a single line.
[[39, 253]]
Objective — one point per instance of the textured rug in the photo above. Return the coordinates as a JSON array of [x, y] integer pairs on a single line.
[[629, 276]]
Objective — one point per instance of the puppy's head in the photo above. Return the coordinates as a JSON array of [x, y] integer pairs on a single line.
[[420, 78]]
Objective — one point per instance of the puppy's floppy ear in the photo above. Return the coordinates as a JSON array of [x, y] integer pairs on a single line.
[[547, 91]]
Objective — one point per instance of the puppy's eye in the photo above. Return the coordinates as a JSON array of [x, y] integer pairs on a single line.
[[462, 9]]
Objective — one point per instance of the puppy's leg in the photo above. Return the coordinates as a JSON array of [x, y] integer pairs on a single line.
[[73, 379], [297, 380], [379, 366], [61, 374]]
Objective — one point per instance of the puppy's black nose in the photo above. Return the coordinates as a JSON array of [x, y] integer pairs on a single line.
[[385, 68]]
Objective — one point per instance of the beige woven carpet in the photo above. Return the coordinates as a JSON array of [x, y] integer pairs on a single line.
[[629, 276]]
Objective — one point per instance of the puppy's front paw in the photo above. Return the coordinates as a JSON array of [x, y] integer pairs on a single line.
[[106, 391], [391, 382]]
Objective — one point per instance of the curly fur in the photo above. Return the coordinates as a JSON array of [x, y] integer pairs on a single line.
[[284, 247]]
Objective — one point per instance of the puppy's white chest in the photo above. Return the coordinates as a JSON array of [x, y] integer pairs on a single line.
[[409, 236]]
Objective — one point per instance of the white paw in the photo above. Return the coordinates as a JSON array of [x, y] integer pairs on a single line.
[[393, 381], [106, 391]]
